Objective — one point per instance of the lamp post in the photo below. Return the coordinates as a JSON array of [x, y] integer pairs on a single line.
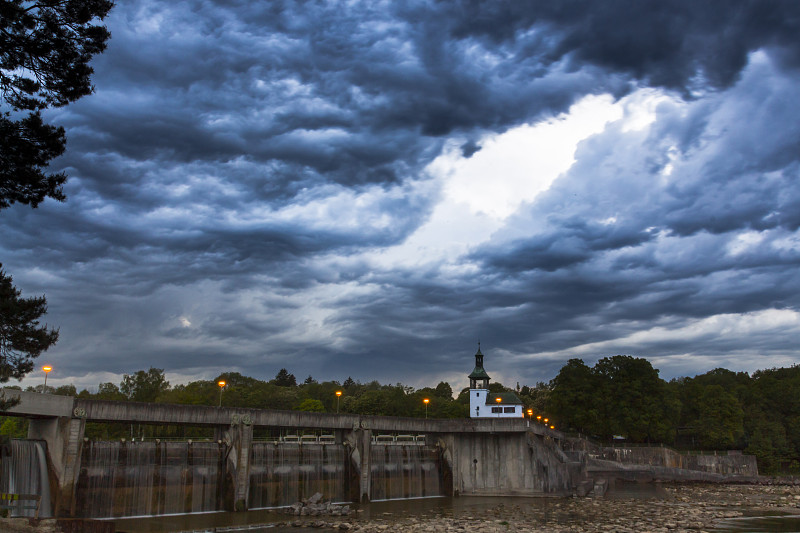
[[46, 369], [426, 400], [538, 418], [221, 384], [338, 395], [530, 414], [499, 408], [546, 420]]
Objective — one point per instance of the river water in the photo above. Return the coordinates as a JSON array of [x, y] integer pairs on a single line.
[[266, 520], [758, 524]]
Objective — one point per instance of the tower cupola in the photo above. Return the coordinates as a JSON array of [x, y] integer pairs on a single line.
[[479, 379]]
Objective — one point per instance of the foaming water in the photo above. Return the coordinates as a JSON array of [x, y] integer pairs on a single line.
[[284, 473], [150, 478], [23, 470], [404, 472]]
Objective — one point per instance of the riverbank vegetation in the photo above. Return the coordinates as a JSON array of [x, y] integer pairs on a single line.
[[620, 399]]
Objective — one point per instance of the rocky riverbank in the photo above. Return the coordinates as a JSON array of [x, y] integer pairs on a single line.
[[682, 509], [678, 509]]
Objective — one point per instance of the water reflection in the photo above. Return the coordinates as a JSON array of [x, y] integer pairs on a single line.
[[545, 510], [757, 524]]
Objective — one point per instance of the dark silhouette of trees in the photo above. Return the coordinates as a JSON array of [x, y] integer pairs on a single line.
[[284, 379], [144, 386], [45, 49], [22, 337]]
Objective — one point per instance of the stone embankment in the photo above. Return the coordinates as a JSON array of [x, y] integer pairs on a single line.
[[682, 509]]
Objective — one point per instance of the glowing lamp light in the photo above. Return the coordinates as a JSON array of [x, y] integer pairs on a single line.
[[338, 395], [46, 369], [426, 401], [221, 384]]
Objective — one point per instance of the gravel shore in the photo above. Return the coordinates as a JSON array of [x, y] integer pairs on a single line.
[[684, 508]]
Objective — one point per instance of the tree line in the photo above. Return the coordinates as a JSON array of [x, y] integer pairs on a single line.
[[623, 397], [620, 398]]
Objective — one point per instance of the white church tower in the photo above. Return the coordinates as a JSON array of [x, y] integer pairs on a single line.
[[478, 388], [484, 404]]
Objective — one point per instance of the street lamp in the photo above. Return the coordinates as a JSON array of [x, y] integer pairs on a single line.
[[426, 400], [221, 384], [539, 418], [530, 414], [46, 369], [499, 408], [338, 395]]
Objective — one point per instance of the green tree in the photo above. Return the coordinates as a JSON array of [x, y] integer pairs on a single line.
[[22, 337], [444, 390], [720, 418], [572, 400], [144, 386], [634, 401], [311, 405], [14, 427], [45, 51], [284, 379], [109, 391]]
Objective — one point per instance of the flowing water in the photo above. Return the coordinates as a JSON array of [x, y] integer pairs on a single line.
[[149, 478], [284, 473], [404, 471], [23, 470], [758, 524]]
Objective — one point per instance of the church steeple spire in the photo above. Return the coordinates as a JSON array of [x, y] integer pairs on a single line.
[[479, 379]]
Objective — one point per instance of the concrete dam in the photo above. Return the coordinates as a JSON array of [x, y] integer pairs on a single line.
[[345, 457]]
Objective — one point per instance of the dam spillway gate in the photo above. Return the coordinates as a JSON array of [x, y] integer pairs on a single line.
[[351, 458]]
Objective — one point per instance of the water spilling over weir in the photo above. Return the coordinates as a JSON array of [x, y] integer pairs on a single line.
[[284, 473], [23, 470], [404, 471], [150, 478], [123, 479]]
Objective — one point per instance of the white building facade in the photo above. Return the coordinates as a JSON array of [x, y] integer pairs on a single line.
[[486, 404]]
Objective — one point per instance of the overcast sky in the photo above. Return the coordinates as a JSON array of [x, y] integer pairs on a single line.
[[367, 189]]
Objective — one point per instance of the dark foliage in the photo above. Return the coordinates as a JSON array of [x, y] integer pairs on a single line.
[[22, 337], [45, 49]]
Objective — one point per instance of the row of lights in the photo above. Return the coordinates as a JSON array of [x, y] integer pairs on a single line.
[[221, 383], [539, 418]]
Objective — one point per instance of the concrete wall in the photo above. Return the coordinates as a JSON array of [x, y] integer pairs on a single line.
[[715, 463], [495, 464]]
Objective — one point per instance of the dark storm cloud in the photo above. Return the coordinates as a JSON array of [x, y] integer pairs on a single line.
[[666, 43], [242, 165]]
